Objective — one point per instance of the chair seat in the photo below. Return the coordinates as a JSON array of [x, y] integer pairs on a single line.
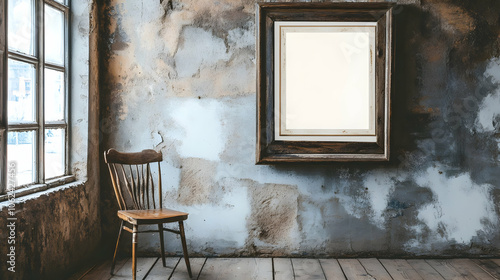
[[153, 216]]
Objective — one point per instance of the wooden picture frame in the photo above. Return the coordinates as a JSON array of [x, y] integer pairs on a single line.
[[323, 82]]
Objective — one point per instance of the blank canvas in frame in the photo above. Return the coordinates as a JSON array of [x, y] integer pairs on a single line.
[[325, 81]]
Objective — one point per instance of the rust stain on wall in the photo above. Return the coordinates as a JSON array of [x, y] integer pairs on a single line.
[[196, 184], [274, 213], [453, 18]]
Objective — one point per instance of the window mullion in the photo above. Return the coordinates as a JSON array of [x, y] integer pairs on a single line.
[[67, 84], [56, 124], [57, 5], [23, 57], [55, 67], [40, 87], [23, 126], [3, 97]]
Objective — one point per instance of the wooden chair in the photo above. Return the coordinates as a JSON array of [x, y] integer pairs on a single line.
[[132, 180]]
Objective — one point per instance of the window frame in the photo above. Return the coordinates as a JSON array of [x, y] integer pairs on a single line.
[[39, 126]]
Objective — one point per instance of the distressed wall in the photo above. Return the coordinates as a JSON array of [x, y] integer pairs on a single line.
[[59, 229], [180, 78]]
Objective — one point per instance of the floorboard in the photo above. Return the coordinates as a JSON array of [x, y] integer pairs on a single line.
[[497, 261], [332, 269], [425, 270], [449, 272], [181, 273], [307, 269], [489, 266], [375, 269], [400, 270], [470, 268], [296, 268], [143, 267], [283, 269], [237, 268], [160, 272], [354, 270], [82, 271], [103, 271]]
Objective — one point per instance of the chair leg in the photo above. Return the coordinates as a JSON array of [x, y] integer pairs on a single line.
[[162, 247], [184, 248], [134, 248], [116, 248]]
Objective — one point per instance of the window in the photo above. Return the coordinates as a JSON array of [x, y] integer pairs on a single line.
[[35, 118]]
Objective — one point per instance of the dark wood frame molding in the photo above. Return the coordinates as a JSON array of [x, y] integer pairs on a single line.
[[269, 150]]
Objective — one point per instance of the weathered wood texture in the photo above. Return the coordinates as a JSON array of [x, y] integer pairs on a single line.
[[353, 269], [241, 268], [332, 269], [400, 269], [101, 271], [160, 272], [181, 273], [132, 179], [448, 271], [307, 269], [285, 268], [144, 265], [375, 269], [425, 270]]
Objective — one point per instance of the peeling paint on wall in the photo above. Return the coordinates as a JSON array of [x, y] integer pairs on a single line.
[[459, 211], [488, 115], [200, 132], [188, 60]]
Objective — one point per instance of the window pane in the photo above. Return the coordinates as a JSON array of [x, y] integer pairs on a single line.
[[21, 149], [60, 1], [21, 91], [54, 152], [54, 95], [21, 26], [54, 35]]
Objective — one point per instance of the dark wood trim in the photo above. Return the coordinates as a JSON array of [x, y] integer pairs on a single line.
[[271, 151], [319, 158], [366, 6], [388, 80], [313, 147], [3, 96]]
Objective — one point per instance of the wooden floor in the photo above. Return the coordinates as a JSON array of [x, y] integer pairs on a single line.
[[295, 268]]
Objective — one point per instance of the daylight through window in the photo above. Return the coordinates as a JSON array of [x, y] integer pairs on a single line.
[[37, 89]]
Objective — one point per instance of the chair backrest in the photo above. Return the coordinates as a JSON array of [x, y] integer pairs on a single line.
[[132, 178]]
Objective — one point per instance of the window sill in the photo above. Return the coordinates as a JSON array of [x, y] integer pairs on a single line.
[[57, 182]]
